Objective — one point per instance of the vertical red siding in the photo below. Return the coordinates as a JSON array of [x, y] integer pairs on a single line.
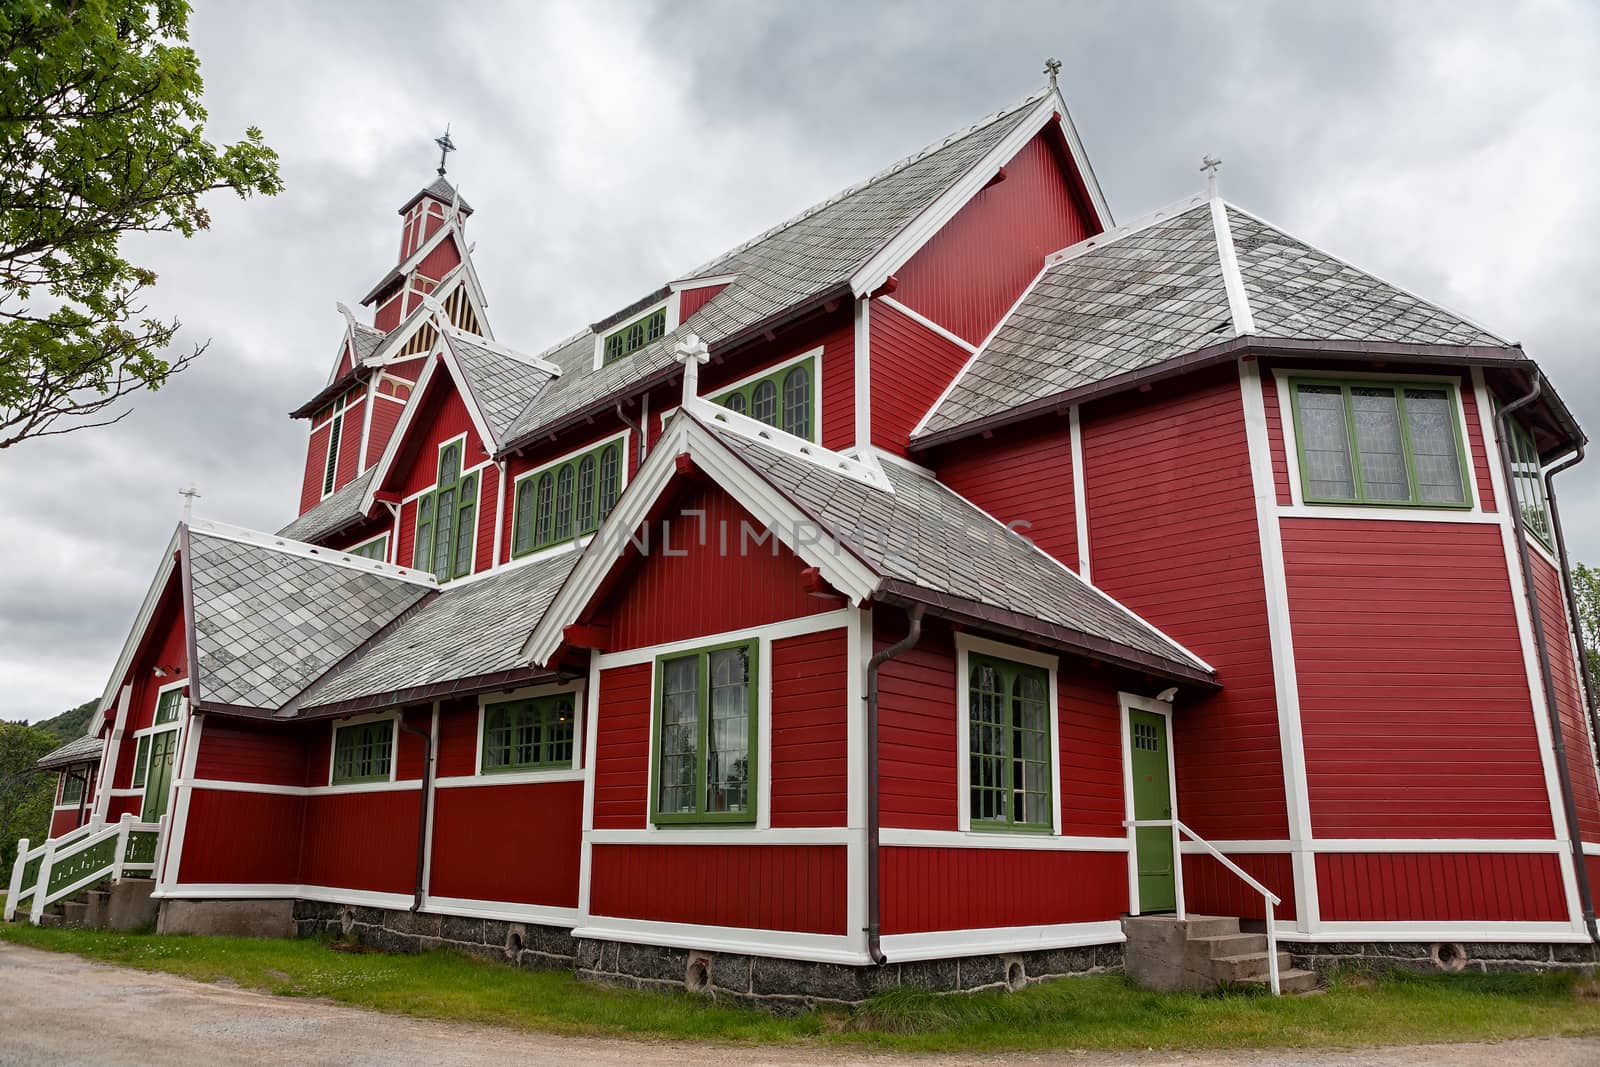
[[442, 260], [361, 841], [1430, 887], [910, 365], [970, 888], [316, 469], [1173, 535], [1568, 697], [1022, 476], [710, 589], [810, 764], [488, 497], [458, 737], [234, 751], [441, 417], [974, 269], [916, 728], [387, 316], [1414, 697], [241, 838], [385, 417], [765, 887], [480, 854], [622, 748], [692, 300], [1090, 777], [1209, 888], [406, 541], [350, 444]]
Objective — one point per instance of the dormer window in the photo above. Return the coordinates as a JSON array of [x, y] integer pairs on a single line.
[[784, 398], [629, 338]]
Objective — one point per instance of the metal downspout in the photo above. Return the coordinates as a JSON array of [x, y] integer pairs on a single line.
[[905, 644], [638, 427], [422, 805], [1558, 745], [1586, 680]]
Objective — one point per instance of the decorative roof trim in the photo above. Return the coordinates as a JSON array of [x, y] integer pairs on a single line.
[[864, 469], [1233, 282], [380, 469], [333, 557], [450, 329], [1143, 222], [141, 622], [702, 282]]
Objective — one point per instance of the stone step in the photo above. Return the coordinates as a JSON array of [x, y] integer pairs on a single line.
[[1199, 926], [50, 918], [1291, 981], [1242, 968], [73, 912], [1232, 944]]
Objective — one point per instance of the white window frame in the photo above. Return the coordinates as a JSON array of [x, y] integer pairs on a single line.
[[775, 369], [621, 436], [477, 515], [672, 305], [544, 774], [966, 645], [335, 725]]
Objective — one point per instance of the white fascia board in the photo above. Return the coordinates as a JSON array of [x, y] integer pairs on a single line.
[[392, 449], [916, 233], [701, 282], [686, 435], [141, 622], [469, 395], [536, 362], [1080, 158]]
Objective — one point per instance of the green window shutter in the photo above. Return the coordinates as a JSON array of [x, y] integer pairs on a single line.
[[1010, 783], [422, 550], [331, 468], [466, 517], [705, 731]]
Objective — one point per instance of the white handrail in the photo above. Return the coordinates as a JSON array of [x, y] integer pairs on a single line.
[[1270, 899], [91, 835]]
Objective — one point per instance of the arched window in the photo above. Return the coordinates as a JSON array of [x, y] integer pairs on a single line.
[[564, 502], [546, 509], [610, 478], [735, 402], [764, 403], [797, 401], [585, 520]]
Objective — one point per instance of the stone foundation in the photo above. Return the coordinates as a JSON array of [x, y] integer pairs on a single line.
[[793, 985], [520, 944], [1433, 957], [227, 918]]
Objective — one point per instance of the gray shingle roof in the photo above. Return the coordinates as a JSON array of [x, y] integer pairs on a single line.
[[268, 623], [1158, 293], [339, 509], [925, 534], [78, 750], [779, 269], [465, 632], [501, 383], [367, 339]]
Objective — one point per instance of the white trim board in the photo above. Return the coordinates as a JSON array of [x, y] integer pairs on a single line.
[[782, 944], [941, 944]]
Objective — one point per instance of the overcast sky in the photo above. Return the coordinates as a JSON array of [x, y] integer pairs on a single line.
[[1451, 148]]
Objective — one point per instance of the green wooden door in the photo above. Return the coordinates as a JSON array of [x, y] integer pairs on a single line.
[[1152, 799], [158, 778]]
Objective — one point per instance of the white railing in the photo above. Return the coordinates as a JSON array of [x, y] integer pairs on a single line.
[[63, 865], [1268, 897]]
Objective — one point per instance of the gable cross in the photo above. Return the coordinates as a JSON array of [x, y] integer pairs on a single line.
[[446, 146], [1209, 165], [691, 352], [1052, 67]]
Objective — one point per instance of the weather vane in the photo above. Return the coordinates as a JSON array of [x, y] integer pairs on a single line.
[[446, 146]]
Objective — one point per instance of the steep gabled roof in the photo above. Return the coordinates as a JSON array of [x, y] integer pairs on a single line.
[[85, 749], [441, 190], [501, 381], [813, 256], [473, 630], [270, 616], [340, 509], [1158, 289]]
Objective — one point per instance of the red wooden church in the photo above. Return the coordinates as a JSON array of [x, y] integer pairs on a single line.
[[910, 594]]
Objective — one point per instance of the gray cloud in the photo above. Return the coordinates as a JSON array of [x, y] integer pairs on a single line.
[[607, 147]]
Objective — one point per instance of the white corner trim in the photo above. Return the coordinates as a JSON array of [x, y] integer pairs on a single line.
[[862, 356], [1232, 280], [1080, 491], [922, 320]]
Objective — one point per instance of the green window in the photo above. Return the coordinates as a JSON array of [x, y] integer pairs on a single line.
[[362, 753], [1370, 442], [377, 548], [566, 500], [783, 399], [705, 736], [330, 469], [72, 785], [167, 706], [1528, 485], [1008, 710], [628, 339], [141, 763], [446, 518], [521, 735]]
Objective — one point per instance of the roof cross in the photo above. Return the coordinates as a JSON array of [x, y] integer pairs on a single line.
[[1209, 165], [691, 352], [188, 493], [1052, 67], [446, 146]]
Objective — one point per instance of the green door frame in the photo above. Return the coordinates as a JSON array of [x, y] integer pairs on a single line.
[[1151, 796]]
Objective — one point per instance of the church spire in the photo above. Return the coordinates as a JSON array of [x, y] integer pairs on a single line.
[[446, 146]]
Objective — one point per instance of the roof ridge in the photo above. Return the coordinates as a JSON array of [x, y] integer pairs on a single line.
[[892, 169], [533, 362], [1181, 206], [243, 535], [1232, 277]]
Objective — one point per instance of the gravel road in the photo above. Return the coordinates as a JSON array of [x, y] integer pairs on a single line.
[[58, 1009]]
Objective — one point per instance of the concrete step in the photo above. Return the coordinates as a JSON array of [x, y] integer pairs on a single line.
[[99, 904], [72, 912], [1232, 944], [51, 918], [1241, 968], [1201, 926], [1290, 981]]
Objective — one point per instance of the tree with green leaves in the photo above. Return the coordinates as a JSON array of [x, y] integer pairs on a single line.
[[1586, 589], [26, 793], [102, 134]]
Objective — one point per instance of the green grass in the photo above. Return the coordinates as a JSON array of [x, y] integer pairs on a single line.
[[1093, 1013]]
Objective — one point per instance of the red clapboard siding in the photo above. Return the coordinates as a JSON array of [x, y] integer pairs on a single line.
[[441, 417], [458, 738], [242, 838], [810, 765], [234, 751], [64, 822], [1568, 698], [955, 888], [479, 853], [1475, 443], [762, 887], [727, 583], [911, 365], [1022, 476], [916, 728], [442, 260], [971, 272], [1173, 535], [692, 300], [622, 748], [361, 841], [1090, 778], [385, 417], [1414, 697], [118, 806], [349, 459], [488, 497], [1277, 443], [1434, 887], [316, 468], [1209, 888]]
